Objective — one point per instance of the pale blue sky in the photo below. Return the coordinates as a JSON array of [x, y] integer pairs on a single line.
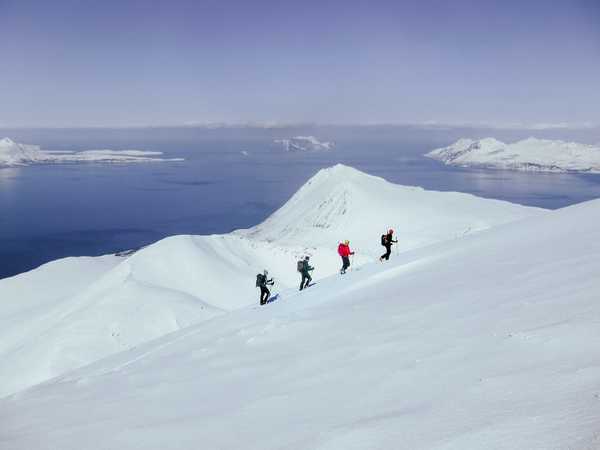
[[122, 63]]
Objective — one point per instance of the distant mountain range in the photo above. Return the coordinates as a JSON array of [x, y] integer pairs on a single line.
[[530, 154], [15, 154]]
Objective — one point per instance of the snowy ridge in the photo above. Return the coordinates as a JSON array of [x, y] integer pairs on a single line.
[[15, 154], [304, 144], [487, 341], [187, 279], [531, 154], [344, 203]]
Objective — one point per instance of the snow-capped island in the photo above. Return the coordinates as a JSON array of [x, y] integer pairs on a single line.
[[16, 154], [540, 155], [304, 144]]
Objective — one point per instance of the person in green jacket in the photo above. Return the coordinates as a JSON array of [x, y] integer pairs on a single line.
[[306, 269], [262, 281]]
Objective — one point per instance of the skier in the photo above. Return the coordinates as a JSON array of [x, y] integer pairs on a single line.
[[345, 252], [262, 280], [387, 240], [304, 268]]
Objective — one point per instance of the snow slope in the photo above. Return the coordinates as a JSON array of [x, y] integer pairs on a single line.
[[489, 341], [341, 202], [15, 154], [187, 279], [304, 144], [529, 154]]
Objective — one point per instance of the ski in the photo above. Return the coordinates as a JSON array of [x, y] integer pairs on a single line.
[[272, 298]]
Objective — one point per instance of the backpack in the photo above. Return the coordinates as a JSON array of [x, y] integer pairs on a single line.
[[260, 280], [383, 240], [300, 266]]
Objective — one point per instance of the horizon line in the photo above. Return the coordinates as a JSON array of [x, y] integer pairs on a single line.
[[266, 125]]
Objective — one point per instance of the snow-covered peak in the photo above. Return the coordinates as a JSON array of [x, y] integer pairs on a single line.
[[338, 173], [121, 302], [528, 154], [304, 143], [341, 203], [488, 341]]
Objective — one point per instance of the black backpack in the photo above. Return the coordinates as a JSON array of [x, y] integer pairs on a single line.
[[383, 240], [300, 266], [260, 280]]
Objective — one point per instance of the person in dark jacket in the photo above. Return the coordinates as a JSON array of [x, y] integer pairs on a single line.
[[345, 252], [387, 240], [306, 278], [262, 281]]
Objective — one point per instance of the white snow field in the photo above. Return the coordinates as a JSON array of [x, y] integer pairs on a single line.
[[15, 154], [530, 154], [304, 144], [488, 341], [187, 279]]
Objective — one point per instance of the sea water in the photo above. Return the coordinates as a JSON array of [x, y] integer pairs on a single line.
[[230, 179]]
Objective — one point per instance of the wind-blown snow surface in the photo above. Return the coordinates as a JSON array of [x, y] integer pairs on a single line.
[[15, 154], [489, 341], [304, 144], [187, 279], [530, 154]]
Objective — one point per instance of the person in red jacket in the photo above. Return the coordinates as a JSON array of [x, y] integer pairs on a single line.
[[345, 252]]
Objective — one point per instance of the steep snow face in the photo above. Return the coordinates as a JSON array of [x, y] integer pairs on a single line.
[[14, 154], [304, 144], [188, 279], [487, 341], [529, 154], [343, 203]]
